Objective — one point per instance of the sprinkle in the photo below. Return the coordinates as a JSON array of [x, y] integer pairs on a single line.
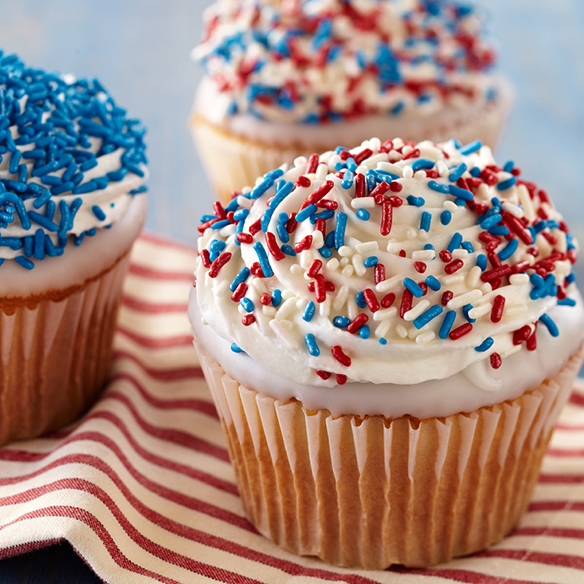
[[433, 283], [386, 218], [485, 345], [236, 349], [453, 266], [305, 213], [428, 316], [363, 214], [340, 356], [341, 321], [447, 323], [276, 297], [495, 360], [455, 242], [416, 201], [422, 164], [508, 250], [309, 311], [358, 322], [482, 261], [445, 217], [457, 172], [311, 345], [239, 292], [470, 148], [551, 326], [439, 187], [365, 332], [425, 221], [413, 287], [263, 259], [218, 264], [460, 193], [371, 299], [460, 331], [506, 184], [339, 240]]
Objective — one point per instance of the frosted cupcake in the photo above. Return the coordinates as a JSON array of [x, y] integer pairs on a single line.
[[290, 78], [71, 173], [389, 333]]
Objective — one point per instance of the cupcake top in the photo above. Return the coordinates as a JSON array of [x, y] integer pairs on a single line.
[[318, 61], [391, 262], [71, 162]]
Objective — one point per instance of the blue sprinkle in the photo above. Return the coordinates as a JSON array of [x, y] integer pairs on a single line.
[[428, 316], [281, 194], [305, 213], [240, 214], [365, 331], [499, 230], [43, 221], [325, 215], [551, 326], [496, 202], [422, 164], [242, 276], [263, 259], [247, 304], [325, 252], [371, 261], [508, 250], [416, 201], [455, 242], [570, 277], [236, 349], [311, 345], [382, 341], [485, 345], [283, 218], [288, 250], [467, 245], [460, 202], [465, 310], [447, 323], [428, 246], [282, 233], [490, 221], [340, 230], [341, 321], [233, 205], [276, 298], [475, 171], [29, 246], [425, 221], [413, 287], [39, 245], [460, 193], [433, 283], [360, 299], [567, 302], [262, 187], [470, 148], [309, 311], [457, 172], [445, 217], [439, 187], [506, 184], [98, 212], [220, 224], [363, 214], [24, 262]]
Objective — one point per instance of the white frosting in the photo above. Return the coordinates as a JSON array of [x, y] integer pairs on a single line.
[[411, 352]]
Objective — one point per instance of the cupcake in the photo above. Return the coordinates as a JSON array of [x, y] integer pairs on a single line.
[[285, 79], [389, 333], [71, 173]]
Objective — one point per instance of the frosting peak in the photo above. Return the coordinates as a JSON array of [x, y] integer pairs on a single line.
[[391, 262]]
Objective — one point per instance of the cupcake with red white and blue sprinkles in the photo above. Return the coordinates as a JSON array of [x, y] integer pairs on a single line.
[[72, 167], [284, 79], [389, 333]]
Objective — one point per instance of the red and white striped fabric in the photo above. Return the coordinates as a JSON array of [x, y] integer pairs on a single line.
[[143, 490]]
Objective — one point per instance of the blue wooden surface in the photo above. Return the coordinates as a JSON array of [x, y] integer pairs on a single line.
[[140, 50]]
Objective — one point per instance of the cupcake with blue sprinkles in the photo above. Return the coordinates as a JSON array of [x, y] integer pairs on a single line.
[[284, 79], [72, 168], [389, 332]]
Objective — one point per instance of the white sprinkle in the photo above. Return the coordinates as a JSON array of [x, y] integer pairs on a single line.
[[411, 233], [425, 337], [528, 258], [423, 235], [385, 313], [375, 144], [361, 169], [408, 171], [518, 279], [513, 310], [373, 160], [317, 239], [352, 308], [244, 202], [288, 325], [486, 288], [474, 277], [367, 247], [397, 143], [259, 286], [382, 329], [563, 268], [420, 174], [222, 288], [526, 202], [344, 262], [300, 161], [417, 310], [453, 279], [287, 293], [450, 206], [332, 264], [269, 311], [459, 254], [345, 251], [389, 167], [442, 168], [286, 308], [401, 330], [228, 230], [363, 203], [464, 299], [281, 332], [413, 332], [347, 271], [321, 172], [513, 209], [395, 156], [241, 310], [324, 308], [341, 298], [334, 159], [360, 269], [296, 270], [389, 284], [406, 150], [480, 310], [393, 247], [423, 255], [306, 258]]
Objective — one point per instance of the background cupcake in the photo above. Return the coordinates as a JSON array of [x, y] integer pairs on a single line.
[[291, 78], [389, 334], [70, 176]]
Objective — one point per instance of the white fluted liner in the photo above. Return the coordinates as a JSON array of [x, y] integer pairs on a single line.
[[371, 492]]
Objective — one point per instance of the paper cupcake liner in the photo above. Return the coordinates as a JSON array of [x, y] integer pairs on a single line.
[[371, 492], [233, 162], [55, 353]]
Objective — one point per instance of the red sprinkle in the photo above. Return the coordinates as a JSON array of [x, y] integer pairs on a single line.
[[531, 343], [460, 331], [357, 323], [328, 204], [314, 268], [371, 300], [386, 217], [380, 189], [239, 292], [515, 224], [453, 266], [255, 227], [291, 224], [388, 300], [395, 187], [363, 155], [495, 273], [320, 288], [341, 379], [323, 374], [320, 225], [498, 307], [496, 360], [248, 319], [406, 303], [218, 264], [519, 267], [494, 259], [521, 334], [359, 186], [445, 256], [420, 267], [244, 238], [318, 194], [273, 247], [312, 163], [495, 284], [552, 239], [446, 297], [491, 241], [338, 354], [303, 244], [303, 181], [379, 272], [572, 255], [219, 210], [256, 270], [265, 299], [205, 258], [402, 253]]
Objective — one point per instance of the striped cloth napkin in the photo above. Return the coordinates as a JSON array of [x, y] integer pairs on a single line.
[[143, 490]]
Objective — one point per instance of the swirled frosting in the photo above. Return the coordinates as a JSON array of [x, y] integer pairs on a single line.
[[391, 262], [318, 61], [70, 161]]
